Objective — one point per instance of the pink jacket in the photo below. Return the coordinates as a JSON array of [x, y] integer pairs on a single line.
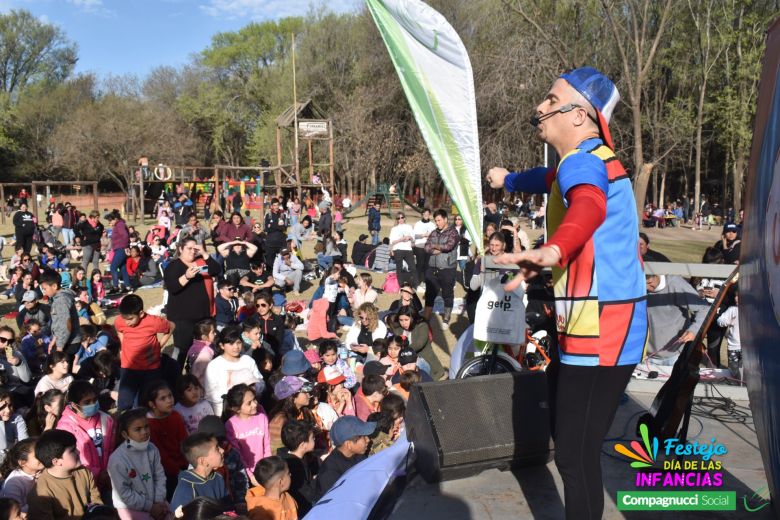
[[90, 457], [318, 321], [198, 357]]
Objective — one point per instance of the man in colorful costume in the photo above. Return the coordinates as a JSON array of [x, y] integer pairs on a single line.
[[599, 283]]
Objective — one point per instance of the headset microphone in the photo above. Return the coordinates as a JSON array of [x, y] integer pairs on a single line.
[[535, 120]]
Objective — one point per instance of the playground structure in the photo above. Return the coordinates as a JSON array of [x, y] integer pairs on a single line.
[[216, 183], [313, 128], [35, 190]]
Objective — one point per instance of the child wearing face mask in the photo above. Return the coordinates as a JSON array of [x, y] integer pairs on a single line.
[[137, 475], [93, 429]]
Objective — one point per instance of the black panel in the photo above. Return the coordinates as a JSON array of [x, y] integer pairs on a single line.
[[465, 426]]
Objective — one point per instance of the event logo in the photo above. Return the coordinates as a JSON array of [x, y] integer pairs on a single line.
[[644, 457], [672, 473]]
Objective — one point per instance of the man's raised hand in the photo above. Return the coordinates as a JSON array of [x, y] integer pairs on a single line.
[[530, 263], [495, 177]]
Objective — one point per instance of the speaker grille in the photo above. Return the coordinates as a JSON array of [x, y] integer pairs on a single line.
[[481, 419]]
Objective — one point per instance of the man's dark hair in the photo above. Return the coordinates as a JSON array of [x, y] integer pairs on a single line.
[[131, 305], [440, 213], [256, 264], [196, 446], [268, 468], [49, 277], [52, 445], [426, 209], [295, 433], [373, 383], [644, 237]]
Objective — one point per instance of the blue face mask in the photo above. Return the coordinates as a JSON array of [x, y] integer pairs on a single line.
[[88, 410]]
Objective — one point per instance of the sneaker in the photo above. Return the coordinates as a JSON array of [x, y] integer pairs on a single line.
[[421, 287], [445, 319]]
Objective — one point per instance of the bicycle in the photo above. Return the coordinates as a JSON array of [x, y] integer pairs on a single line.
[[494, 358]]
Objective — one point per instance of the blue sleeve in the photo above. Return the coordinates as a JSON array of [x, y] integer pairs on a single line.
[[529, 181], [182, 496], [582, 168]]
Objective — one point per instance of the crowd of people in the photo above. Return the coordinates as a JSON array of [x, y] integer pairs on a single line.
[[238, 417]]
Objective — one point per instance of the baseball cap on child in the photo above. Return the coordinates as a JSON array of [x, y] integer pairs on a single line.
[[727, 228], [374, 368], [407, 356], [331, 375], [29, 297], [348, 427]]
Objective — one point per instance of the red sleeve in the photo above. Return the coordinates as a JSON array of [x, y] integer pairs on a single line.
[[587, 210]]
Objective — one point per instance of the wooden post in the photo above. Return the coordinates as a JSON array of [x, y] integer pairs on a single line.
[[311, 164], [141, 196], [330, 151], [215, 193], [2, 198], [33, 197], [95, 195]]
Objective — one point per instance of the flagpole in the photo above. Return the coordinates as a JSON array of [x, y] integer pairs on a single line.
[[296, 163]]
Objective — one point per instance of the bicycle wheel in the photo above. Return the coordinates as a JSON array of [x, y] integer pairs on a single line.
[[479, 367]]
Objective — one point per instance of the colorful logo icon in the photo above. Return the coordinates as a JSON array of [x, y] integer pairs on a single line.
[[644, 456]]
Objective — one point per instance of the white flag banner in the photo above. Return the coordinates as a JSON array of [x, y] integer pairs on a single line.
[[436, 75]]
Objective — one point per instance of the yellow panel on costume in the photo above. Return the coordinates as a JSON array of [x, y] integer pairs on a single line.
[[583, 316]]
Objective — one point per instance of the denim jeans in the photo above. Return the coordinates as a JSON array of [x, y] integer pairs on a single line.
[[325, 262], [116, 264], [67, 236], [130, 384], [374, 238]]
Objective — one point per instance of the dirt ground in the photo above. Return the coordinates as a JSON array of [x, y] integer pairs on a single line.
[[679, 244]]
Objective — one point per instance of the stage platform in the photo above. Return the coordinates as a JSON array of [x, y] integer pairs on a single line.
[[537, 493]]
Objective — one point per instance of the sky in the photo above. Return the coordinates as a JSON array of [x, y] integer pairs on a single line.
[[117, 37]]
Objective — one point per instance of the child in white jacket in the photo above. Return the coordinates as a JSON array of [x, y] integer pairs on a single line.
[[730, 320], [137, 475]]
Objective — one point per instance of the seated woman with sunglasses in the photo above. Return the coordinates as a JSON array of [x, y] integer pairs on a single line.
[[15, 374]]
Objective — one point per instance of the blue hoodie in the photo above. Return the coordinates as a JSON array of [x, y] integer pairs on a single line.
[[192, 485]]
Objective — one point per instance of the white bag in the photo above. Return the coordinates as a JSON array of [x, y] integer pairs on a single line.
[[500, 316]]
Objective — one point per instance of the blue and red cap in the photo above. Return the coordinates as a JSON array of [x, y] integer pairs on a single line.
[[599, 90]]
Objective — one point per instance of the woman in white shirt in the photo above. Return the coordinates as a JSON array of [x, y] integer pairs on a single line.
[[230, 368], [401, 240], [57, 374]]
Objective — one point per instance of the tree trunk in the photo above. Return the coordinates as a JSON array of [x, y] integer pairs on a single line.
[[642, 171], [655, 188], [697, 165], [640, 189], [739, 172], [662, 189]]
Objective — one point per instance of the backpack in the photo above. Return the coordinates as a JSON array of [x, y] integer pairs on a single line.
[[391, 284]]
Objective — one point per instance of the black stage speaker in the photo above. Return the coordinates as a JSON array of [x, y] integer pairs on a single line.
[[464, 426]]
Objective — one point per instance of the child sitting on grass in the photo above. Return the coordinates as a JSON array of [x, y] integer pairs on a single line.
[[270, 500], [204, 454], [64, 489], [168, 430]]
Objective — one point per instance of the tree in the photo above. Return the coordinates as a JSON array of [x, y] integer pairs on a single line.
[[637, 27], [104, 139], [32, 51]]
